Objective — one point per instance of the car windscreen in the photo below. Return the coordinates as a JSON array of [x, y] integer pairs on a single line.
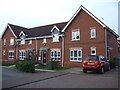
[[92, 58]]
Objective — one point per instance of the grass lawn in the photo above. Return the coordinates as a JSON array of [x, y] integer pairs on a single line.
[[45, 67]]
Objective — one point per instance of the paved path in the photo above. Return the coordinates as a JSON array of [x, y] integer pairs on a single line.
[[71, 78]]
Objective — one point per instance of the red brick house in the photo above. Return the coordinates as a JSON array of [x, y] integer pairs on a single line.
[[67, 42]]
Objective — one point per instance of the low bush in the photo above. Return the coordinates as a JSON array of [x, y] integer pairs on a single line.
[[53, 64], [26, 66], [112, 63]]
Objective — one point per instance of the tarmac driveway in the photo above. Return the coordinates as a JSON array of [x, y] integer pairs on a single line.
[[72, 78], [12, 73]]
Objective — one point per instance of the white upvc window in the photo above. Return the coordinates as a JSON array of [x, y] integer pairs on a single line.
[[56, 38], [55, 54], [4, 52], [4, 42], [22, 54], [44, 40], [11, 54], [93, 33], [93, 50], [22, 42], [76, 55], [30, 41], [11, 41], [76, 35]]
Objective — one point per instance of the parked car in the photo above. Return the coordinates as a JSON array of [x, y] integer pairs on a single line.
[[96, 63]]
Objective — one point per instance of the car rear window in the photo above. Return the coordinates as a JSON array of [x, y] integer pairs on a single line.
[[92, 58]]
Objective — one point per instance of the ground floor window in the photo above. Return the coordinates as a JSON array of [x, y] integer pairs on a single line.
[[55, 54], [11, 54], [76, 55], [22, 54]]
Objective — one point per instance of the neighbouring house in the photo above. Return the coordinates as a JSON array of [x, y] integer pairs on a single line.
[[0, 51], [118, 52], [66, 42]]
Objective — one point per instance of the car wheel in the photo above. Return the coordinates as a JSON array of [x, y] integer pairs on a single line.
[[108, 68], [85, 71], [102, 70]]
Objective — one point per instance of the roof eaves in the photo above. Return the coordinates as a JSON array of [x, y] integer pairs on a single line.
[[12, 31]]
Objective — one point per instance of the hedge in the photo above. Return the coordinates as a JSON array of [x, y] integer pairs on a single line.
[[26, 66]]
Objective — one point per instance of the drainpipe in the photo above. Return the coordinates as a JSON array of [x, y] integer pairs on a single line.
[[1, 48], [17, 51], [106, 43], [62, 51], [36, 47]]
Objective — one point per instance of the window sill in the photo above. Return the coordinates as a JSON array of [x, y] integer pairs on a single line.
[[75, 61], [76, 40], [22, 44], [10, 58], [56, 60], [55, 42], [93, 38]]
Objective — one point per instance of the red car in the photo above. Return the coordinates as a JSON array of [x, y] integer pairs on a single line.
[[95, 63]]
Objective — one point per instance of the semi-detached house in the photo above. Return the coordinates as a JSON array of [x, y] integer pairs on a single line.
[[66, 42]]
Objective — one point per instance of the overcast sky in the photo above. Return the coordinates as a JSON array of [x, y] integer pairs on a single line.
[[32, 13]]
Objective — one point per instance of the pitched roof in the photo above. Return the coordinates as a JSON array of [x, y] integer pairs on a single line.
[[93, 16], [36, 31], [17, 29], [46, 30]]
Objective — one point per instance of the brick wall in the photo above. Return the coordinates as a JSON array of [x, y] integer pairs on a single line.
[[84, 22]]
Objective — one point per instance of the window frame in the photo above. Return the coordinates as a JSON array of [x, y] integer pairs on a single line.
[[12, 41], [94, 50], [74, 34], [92, 33], [76, 57], [58, 55], [30, 41], [55, 39], [4, 41], [23, 55], [22, 42], [4, 52], [11, 56], [44, 40]]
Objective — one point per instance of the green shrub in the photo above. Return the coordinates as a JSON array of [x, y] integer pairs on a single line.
[[112, 63], [26, 66], [50, 64], [53, 64]]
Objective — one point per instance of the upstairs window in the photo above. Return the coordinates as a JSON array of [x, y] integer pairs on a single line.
[[56, 38], [93, 33], [30, 41], [11, 41], [75, 35], [3, 52], [44, 40], [22, 42], [4, 42]]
